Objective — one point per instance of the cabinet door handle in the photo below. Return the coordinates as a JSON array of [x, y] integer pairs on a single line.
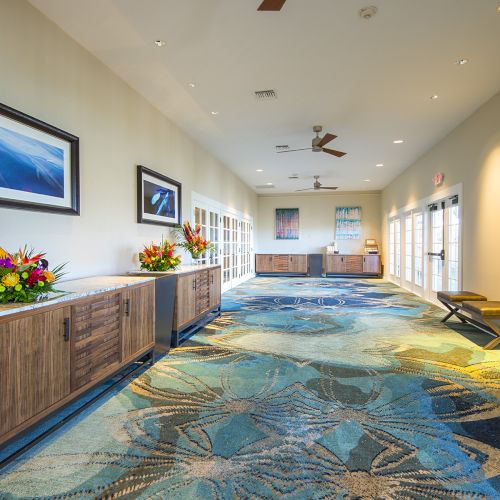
[[212, 279], [67, 329], [127, 307], [194, 283]]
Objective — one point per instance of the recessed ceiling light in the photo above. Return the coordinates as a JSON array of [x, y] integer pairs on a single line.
[[269, 183], [215, 113], [192, 85], [367, 180], [259, 170], [398, 141], [434, 97], [160, 43], [461, 62], [379, 165]]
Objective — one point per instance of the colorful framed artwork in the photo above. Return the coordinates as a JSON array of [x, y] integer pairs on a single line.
[[158, 198], [348, 223], [287, 223], [39, 165]]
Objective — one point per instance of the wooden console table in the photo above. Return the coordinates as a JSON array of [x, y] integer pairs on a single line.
[[293, 264], [339, 264], [53, 351]]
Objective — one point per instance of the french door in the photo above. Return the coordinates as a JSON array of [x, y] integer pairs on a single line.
[[209, 220], [444, 270]]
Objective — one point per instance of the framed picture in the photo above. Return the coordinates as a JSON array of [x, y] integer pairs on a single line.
[[158, 198], [39, 165], [287, 223], [348, 223]]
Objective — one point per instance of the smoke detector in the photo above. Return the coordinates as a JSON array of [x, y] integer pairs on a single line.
[[368, 12]]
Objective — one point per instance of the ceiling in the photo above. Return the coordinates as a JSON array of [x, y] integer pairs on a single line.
[[367, 81]]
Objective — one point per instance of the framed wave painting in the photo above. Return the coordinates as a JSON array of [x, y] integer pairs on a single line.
[[39, 165], [348, 223], [158, 198]]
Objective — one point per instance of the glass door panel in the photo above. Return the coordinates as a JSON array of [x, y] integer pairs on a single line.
[[418, 236], [409, 249]]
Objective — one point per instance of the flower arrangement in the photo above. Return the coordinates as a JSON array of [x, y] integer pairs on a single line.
[[159, 257], [192, 240], [25, 276]]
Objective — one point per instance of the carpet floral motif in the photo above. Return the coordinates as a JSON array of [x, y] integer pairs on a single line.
[[303, 388]]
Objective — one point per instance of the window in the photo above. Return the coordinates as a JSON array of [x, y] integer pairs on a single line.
[[391, 247], [453, 247], [437, 228], [409, 248], [419, 249], [397, 248]]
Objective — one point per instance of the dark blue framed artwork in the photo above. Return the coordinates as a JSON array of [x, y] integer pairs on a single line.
[[158, 198], [39, 164]]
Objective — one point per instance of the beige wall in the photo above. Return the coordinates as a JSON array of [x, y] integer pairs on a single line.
[[317, 221], [469, 155], [44, 73]]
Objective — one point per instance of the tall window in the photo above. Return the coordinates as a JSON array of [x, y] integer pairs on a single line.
[[409, 248], [453, 247], [419, 249], [397, 248], [437, 228], [391, 247]]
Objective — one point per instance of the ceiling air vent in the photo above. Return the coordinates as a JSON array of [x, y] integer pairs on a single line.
[[293, 176], [265, 186], [282, 147], [266, 95]]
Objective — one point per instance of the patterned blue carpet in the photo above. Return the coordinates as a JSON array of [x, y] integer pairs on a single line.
[[303, 388]]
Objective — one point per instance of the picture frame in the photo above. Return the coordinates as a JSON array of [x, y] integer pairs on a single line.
[[39, 165], [159, 198], [286, 224]]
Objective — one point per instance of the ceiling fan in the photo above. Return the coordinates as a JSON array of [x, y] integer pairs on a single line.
[[272, 5], [317, 186], [318, 143]]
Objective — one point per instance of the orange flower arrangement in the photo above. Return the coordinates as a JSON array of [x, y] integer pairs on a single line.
[[193, 241], [159, 257]]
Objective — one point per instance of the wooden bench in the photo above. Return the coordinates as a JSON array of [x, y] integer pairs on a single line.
[[473, 308]]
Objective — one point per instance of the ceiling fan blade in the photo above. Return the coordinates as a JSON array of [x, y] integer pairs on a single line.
[[338, 154], [326, 140], [328, 187], [272, 5], [308, 189], [291, 150]]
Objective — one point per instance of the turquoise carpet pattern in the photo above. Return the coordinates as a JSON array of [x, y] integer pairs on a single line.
[[301, 389]]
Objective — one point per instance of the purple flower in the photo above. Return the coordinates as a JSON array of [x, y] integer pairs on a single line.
[[7, 263]]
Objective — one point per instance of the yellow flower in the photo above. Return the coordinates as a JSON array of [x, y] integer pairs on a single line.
[[3, 253], [50, 276], [11, 279]]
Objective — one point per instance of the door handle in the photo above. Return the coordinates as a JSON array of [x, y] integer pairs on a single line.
[[194, 283], [440, 254], [67, 329], [127, 307]]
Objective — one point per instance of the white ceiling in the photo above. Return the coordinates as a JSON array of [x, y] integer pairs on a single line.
[[369, 82]]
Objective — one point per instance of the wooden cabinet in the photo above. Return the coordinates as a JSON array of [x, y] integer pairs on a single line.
[[372, 264], [335, 264], [281, 263], [198, 293], [35, 366], [185, 302], [353, 264], [263, 263], [52, 354], [215, 287], [138, 306]]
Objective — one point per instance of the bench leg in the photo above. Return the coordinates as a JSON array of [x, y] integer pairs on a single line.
[[496, 330], [453, 312]]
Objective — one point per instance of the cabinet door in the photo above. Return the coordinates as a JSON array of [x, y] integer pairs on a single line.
[[371, 264], [297, 263], [335, 264], [202, 292], [215, 287], [280, 263], [138, 312], [185, 300], [35, 366], [354, 264], [263, 263]]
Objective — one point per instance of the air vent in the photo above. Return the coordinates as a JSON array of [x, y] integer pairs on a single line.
[[293, 176], [266, 95], [282, 147], [265, 186]]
